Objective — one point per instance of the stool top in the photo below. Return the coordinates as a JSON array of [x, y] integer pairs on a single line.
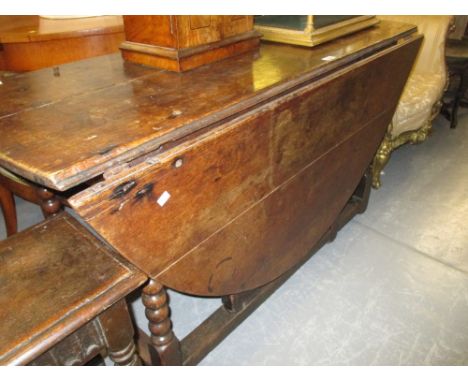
[[55, 277]]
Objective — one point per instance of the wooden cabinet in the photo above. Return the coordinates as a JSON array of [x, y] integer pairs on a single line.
[[198, 30], [180, 43]]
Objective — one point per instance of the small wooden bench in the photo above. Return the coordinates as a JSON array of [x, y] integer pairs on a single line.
[[62, 297]]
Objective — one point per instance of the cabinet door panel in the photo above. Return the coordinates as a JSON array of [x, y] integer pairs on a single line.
[[199, 22], [198, 30], [233, 25], [152, 30]]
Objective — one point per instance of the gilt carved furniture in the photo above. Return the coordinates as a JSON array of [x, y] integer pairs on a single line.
[[62, 297], [421, 100], [218, 181]]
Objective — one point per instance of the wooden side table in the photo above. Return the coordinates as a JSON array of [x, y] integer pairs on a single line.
[[457, 61]]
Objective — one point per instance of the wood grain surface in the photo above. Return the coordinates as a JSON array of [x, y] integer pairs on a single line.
[[248, 199], [54, 277], [61, 139]]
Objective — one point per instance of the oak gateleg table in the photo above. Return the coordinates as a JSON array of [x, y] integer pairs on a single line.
[[219, 181]]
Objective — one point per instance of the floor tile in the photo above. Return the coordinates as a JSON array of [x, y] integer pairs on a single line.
[[362, 300], [387, 291], [423, 201]]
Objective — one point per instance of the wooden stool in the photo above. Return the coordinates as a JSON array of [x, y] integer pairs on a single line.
[[62, 297]]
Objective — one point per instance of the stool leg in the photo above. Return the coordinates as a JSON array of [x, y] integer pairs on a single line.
[[8, 206], [118, 330], [163, 339]]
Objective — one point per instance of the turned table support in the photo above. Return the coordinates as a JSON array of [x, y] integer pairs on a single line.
[[49, 203], [118, 330], [11, 185], [166, 348]]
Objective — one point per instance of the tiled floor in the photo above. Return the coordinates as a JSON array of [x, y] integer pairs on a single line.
[[392, 288]]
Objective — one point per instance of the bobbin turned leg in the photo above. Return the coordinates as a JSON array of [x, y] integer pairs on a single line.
[[166, 347], [118, 330], [50, 205]]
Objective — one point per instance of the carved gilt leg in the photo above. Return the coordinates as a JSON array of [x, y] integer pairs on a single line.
[[380, 160], [50, 205], [163, 339], [8, 206], [421, 134], [389, 144], [118, 331], [417, 136]]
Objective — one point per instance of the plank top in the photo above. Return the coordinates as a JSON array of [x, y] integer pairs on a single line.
[[61, 129], [54, 277]]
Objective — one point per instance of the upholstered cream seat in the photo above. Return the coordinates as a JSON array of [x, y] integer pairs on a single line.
[[420, 101], [415, 105]]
